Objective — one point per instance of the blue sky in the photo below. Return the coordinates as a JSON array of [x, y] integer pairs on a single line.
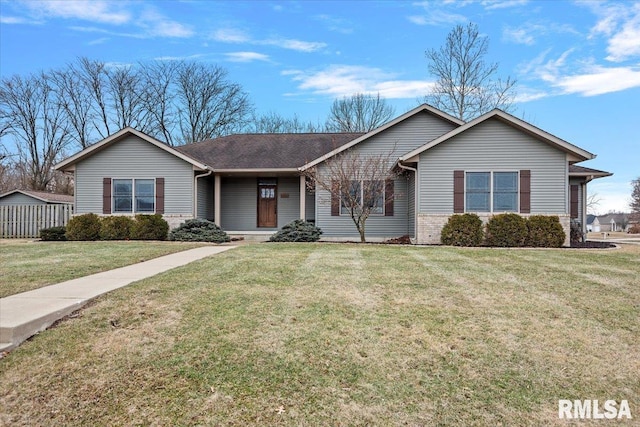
[[577, 63]]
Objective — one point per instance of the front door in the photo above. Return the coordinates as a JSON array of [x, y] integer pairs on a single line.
[[267, 203]]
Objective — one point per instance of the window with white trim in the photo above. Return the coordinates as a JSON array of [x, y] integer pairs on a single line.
[[368, 194], [133, 195], [491, 192]]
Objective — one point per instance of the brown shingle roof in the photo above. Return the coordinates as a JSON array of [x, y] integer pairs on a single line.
[[581, 170], [44, 196], [265, 151]]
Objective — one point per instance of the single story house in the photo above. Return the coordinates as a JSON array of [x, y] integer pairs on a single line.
[[255, 183], [611, 222], [30, 197]]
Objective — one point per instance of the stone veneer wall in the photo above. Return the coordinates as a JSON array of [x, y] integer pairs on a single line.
[[429, 227]]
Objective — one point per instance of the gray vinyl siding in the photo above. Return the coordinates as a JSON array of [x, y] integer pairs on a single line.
[[493, 146], [205, 198], [134, 158], [411, 203], [375, 226], [239, 203], [20, 199], [397, 140]]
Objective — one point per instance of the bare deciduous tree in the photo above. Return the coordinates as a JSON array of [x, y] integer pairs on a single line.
[[359, 113], [159, 98], [76, 102], [593, 201], [94, 76], [275, 123], [210, 105], [36, 118], [465, 85], [357, 184]]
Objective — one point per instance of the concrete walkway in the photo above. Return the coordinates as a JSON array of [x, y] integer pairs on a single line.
[[24, 315]]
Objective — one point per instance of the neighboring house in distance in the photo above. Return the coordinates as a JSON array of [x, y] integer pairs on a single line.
[[611, 222], [255, 183], [590, 219], [30, 197]]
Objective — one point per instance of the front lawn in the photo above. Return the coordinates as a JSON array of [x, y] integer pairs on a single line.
[[27, 265], [338, 334]]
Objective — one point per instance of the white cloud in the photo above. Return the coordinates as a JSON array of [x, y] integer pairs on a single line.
[[614, 194], [101, 40], [345, 80], [231, 35], [598, 80], [620, 22], [437, 17], [246, 56], [519, 35], [337, 25], [160, 26], [16, 20], [502, 4], [87, 10]]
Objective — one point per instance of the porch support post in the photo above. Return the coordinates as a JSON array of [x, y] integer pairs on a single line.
[[303, 200], [217, 215]]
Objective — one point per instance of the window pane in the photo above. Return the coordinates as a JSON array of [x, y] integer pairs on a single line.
[[122, 201], [373, 192], [351, 197], [505, 191], [505, 181], [145, 200], [477, 196], [477, 202], [478, 181]]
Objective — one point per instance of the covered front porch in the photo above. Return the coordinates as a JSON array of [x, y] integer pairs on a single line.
[[254, 204]]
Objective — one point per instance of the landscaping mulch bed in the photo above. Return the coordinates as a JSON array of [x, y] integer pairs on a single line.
[[592, 245]]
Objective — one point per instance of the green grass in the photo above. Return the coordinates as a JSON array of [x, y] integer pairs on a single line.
[[27, 265], [333, 334]]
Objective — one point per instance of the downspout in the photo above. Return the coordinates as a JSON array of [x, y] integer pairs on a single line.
[[195, 192], [415, 202]]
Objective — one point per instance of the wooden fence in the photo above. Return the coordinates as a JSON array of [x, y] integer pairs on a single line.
[[26, 221]]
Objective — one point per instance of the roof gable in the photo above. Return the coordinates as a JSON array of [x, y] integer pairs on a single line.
[[68, 163], [422, 108], [578, 153]]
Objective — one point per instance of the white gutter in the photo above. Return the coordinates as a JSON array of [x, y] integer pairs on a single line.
[[416, 186], [195, 192]]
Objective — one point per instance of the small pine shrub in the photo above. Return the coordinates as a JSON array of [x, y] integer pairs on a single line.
[[83, 227], [297, 231], [575, 233], [462, 230], [149, 227], [116, 228], [53, 234], [199, 230], [545, 231], [506, 230]]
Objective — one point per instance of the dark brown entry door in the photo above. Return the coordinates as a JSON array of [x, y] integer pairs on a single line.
[[267, 206]]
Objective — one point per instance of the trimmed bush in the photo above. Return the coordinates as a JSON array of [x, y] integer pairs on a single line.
[[545, 232], [297, 231], [149, 227], [83, 227], [506, 230], [635, 229], [575, 233], [116, 228], [462, 230], [199, 230], [53, 234]]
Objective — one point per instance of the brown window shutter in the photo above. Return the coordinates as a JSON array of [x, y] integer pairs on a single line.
[[388, 197], [574, 201], [159, 195], [525, 191], [458, 191], [106, 195], [335, 198]]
